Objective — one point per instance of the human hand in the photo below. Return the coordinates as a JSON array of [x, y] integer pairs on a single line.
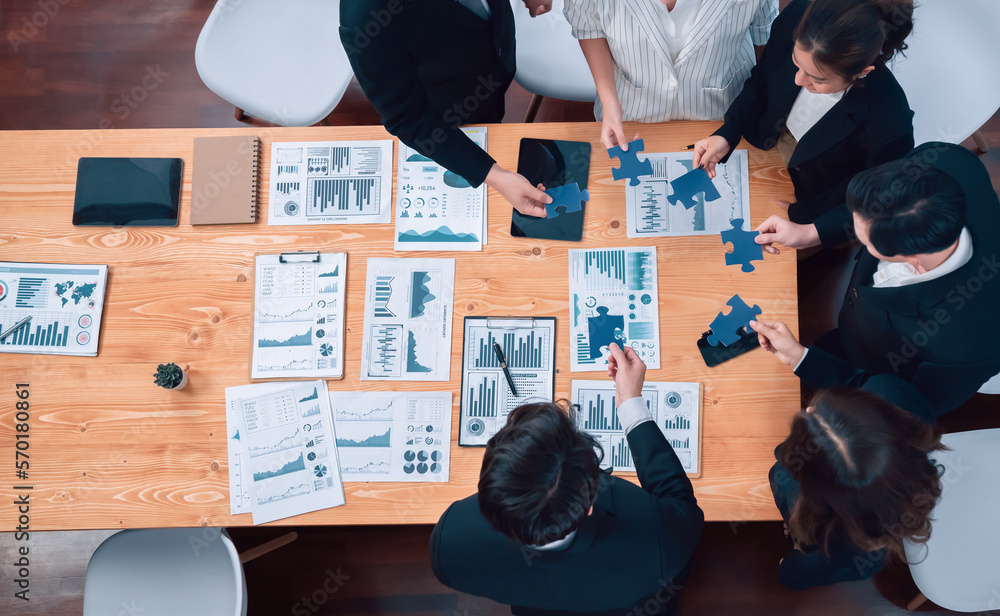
[[627, 371], [538, 7], [710, 151], [778, 230], [778, 339], [515, 188], [612, 131]]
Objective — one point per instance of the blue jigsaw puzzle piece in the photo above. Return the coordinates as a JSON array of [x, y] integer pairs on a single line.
[[569, 196], [605, 329], [690, 184], [726, 328], [745, 249], [631, 167]]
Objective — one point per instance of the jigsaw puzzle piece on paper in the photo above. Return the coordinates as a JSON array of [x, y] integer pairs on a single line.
[[745, 249], [690, 184], [570, 197], [726, 328], [605, 329], [631, 167]]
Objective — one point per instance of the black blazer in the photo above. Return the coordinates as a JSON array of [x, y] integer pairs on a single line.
[[801, 569], [870, 125], [631, 549], [429, 66], [941, 335]]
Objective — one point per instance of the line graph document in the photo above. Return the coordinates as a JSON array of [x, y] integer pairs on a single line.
[[435, 208], [676, 409], [528, 345], [393, 436], [613, 298], [282, 450], [298, 319], [330, 182], [649, 213], [408, 314]]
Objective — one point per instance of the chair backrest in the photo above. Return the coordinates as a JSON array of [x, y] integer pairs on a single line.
[[549, 60], [951, 71], [160, 572], [279, 61], [959, 567], [991, 386]]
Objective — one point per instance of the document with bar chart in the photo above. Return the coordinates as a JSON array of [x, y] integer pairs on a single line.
[[64, 302], [528, 345], [675, 407], [408, 313], [282, 449], [649, 212], [330, 182], [393, 436], [612, 298], [435, 208], [298, 316]]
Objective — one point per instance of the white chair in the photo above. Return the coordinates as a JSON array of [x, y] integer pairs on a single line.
[[166, 572], [549, 60], [950, 72], [991, 386], [279, 61], [959, 567]]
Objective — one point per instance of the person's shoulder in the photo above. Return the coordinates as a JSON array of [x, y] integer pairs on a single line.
[[792, 14]]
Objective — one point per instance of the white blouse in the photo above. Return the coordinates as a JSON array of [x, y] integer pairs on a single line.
[[808, 109]]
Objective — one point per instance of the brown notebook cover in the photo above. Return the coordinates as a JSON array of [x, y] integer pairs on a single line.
[[224, 180]]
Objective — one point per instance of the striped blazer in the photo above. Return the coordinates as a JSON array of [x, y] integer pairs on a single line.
[[709, 71]]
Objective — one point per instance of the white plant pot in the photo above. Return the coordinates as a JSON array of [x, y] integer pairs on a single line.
[[183, 383]]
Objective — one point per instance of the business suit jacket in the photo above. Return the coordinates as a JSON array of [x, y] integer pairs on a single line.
[[709, 70], [801, 569], [632, 548], [872, 124], [942, 334], [429, 66]]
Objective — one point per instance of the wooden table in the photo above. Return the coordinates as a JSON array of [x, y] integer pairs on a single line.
[[109, 449]]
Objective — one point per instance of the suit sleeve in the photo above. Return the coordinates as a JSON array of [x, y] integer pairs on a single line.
[[947, 386], [388, 75], [436, 539], [837, 224]]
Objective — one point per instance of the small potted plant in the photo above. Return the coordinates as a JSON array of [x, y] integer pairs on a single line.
[[170, 376]]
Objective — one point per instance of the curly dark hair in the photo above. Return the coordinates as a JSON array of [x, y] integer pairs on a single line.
[[863, 469], [539, 475]]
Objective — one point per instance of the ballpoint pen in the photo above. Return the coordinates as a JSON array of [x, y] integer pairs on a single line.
[[503, 364], [16, 327]]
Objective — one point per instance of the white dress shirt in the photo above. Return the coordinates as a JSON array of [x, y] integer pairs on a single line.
[[890, 274], [707, 71], [808, 109], [677, 24]]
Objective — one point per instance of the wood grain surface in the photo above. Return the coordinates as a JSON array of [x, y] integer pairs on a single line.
[[109, 449]]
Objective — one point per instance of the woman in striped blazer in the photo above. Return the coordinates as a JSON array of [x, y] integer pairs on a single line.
[[658, 60]]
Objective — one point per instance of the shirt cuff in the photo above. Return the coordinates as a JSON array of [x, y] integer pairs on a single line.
[[801, 359], [633, 412]]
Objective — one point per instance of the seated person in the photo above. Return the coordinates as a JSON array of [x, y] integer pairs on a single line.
[[549, 532], [429, 67], [852, 481], [655, 60], [823, 94], [924, 296]]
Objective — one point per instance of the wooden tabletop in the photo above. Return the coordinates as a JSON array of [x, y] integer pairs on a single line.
[[109, 449]]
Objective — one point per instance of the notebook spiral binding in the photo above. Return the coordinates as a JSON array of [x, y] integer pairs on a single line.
[[255, 181]]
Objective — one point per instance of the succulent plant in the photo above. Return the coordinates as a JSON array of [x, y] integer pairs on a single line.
[[168, 376]]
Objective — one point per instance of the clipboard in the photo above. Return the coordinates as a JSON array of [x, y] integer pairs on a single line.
[[528, 344], [298, 316]]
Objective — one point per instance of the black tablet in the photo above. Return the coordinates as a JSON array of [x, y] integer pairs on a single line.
[[552, 163], [127, 192]]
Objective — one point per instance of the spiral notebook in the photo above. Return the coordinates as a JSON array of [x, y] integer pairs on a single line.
[[224, 180]]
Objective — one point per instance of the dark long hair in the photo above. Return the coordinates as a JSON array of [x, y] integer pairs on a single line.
[[864, 472], [847, 36], [539, 475]]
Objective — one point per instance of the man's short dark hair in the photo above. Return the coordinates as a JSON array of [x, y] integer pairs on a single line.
[[912, 207], [539, 476]]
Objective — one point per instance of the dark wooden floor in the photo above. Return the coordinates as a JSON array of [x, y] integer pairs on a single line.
[[82, 63]]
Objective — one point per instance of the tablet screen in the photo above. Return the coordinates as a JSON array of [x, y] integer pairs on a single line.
[[130, 192]]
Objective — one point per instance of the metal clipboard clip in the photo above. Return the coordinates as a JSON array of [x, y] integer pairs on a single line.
[[299, 256], [510, 322]]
